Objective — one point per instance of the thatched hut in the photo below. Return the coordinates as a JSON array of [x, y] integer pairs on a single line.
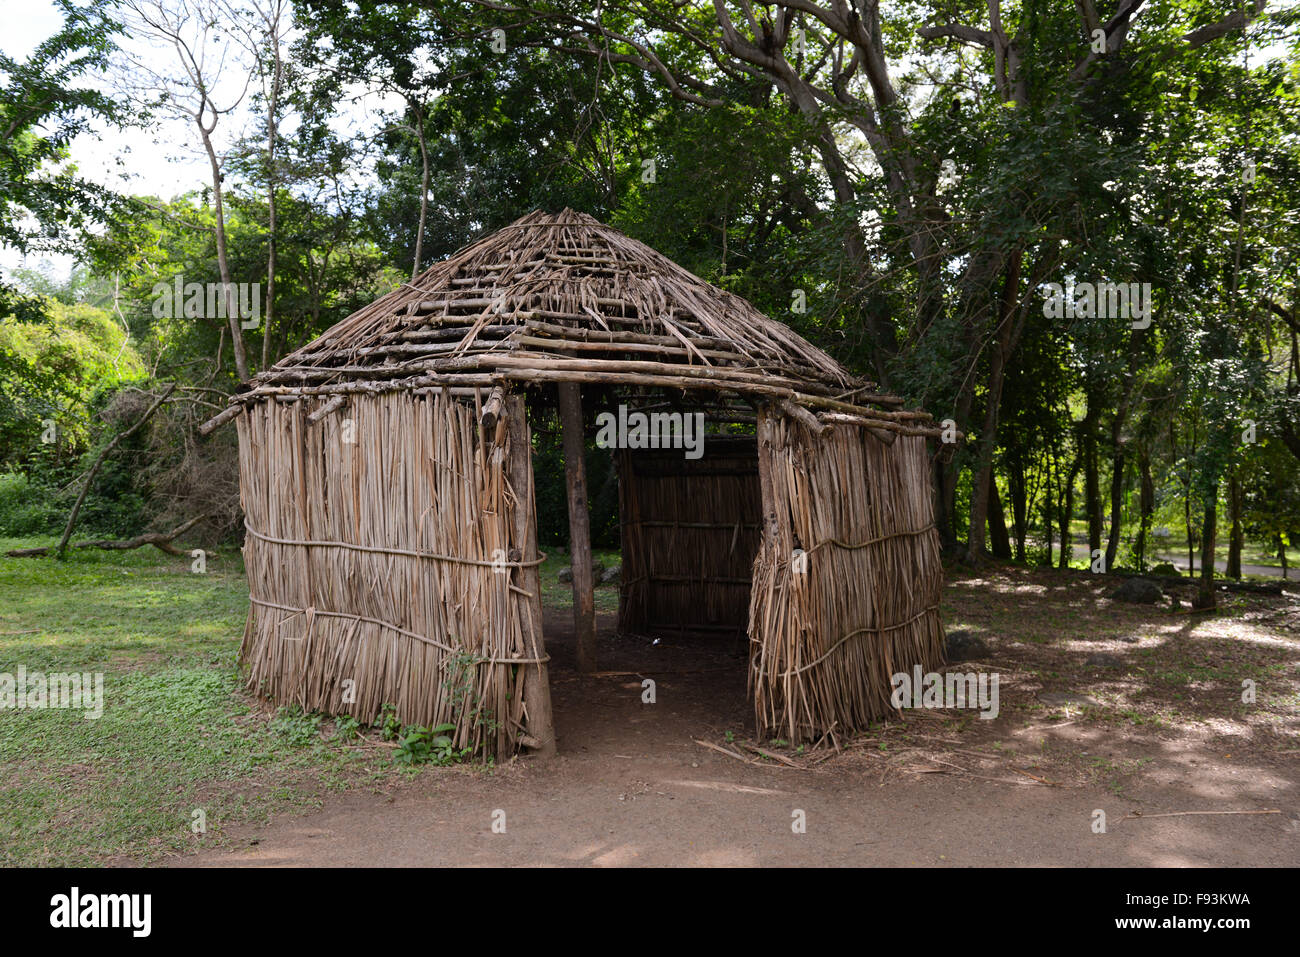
[[387, 488]]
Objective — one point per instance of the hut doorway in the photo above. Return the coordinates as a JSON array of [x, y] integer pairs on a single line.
[[690, 516], [689, 531]]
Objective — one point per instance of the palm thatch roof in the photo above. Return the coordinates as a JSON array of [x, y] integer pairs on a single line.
[[562, 297]]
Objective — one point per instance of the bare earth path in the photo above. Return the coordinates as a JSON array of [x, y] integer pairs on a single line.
[[633, 788]]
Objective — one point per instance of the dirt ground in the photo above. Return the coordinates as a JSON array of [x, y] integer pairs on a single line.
[[1163, 732]]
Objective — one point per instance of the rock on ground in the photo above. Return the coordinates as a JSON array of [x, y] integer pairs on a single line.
[[1139, 591], [1065, 699], [964, 645], [1102, 660], [599, 574]]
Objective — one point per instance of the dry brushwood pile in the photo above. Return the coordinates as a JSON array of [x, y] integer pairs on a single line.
[[388, 493]]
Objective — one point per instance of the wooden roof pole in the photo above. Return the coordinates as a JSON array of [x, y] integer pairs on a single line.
[[537, 683], [575, 476]]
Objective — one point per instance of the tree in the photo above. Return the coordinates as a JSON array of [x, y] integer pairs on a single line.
[[193, 33], [45, 206]]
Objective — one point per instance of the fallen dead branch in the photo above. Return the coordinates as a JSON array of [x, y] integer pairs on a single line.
[[729, 753], [985, 777], [775, 757], [159, 540], [1138, 814], [1050, 784]]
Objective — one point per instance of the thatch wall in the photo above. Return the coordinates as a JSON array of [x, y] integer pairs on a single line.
[[825, 642], [371, 562], [690, 531]]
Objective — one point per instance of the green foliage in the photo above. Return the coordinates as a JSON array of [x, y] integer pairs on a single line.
[[922, 229], [389, 726], [27, 508], [50, 373], [551, 490], [1271, 479], [297, 728], [420, 745], [45, 102], [346, 728]]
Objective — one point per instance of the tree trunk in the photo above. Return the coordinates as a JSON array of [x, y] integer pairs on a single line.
[[1067, 512], [998, 524], [1235, 541], [950, 474], [223, 262], [418, 111], [943, 503], [575, 475], [1146, 507], [1091, 476], [272, 126], [1007, 335], [1205, 594], [1116, 498], [1048, 488], [1019, 505]]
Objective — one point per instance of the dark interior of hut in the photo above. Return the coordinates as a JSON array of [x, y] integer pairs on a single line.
[[688, 527]]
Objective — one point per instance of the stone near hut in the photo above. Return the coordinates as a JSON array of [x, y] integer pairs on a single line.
[[1064, 699], [612, 576], [1100, 659], [964, 645], [1138, 591], [599, 574]]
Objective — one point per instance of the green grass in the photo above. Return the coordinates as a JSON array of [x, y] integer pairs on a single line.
[[1252, 553], [177, 733]]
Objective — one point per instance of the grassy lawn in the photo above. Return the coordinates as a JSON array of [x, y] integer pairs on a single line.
[[177, 734]]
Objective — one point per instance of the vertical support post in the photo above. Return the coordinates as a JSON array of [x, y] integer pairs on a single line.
[[575, 475], [537, 683], [767, 487]]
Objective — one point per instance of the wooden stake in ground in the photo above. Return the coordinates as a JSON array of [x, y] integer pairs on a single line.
[[575, 476], [537, 682]]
